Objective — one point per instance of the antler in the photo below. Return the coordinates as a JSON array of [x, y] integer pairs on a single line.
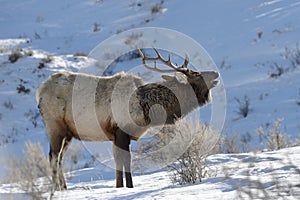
[[166, 62]]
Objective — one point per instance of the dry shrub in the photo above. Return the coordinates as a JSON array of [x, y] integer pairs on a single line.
[[192, 165], [293, 56], [161, 146], [32, 172], [274, 137], [157, 8], [244, 106], [230, 144], [15, 55], [181, 148]]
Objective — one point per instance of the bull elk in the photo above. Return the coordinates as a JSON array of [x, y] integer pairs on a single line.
[[104, 118]]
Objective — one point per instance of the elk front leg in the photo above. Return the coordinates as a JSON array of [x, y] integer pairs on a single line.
[[119, 166], [127, 166], [122, 158]]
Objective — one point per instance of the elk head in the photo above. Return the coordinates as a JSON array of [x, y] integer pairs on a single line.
[[201, 82]]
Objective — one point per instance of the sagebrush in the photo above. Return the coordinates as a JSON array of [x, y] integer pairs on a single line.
[[192, 165], [274, 137], [32, 172], [181, 148]]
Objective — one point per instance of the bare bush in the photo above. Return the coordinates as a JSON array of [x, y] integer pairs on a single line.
[[32, 116], [96, 27], [157, 8], [230, 144], [246, 140], [259, 34], [22, 89], [277, 70], [192, 166], [32, 172], [9, 138], [133, 38], [293, 55], [162, 146], [274, 137], [15, 55], [8, 105], [181, 148], [41, 65], [244, 106], [224, 64], [37, 36], [236, 143]]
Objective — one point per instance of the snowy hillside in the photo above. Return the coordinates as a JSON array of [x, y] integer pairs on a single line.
[[255, 45]]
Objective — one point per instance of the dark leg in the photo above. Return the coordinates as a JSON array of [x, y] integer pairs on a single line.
[[127, 165], [119, 166], [128, 176], [122, 158]]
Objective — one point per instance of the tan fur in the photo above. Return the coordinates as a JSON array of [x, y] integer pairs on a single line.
[[81, 104]]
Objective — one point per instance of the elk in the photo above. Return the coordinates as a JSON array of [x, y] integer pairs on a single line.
[[117, 108]]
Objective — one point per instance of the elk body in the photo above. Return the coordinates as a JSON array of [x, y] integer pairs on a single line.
[[95, 108]]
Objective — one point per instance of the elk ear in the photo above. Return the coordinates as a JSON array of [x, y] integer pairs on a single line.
[[181, 78], [168, 78]]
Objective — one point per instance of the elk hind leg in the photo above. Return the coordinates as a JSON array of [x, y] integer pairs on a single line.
[[58, 146], [66, 143]]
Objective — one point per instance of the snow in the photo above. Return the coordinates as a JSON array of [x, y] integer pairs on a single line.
[[227, 29], [272, 169]]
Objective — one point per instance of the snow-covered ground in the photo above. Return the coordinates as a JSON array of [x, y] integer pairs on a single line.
[[269, 175], [246, 39]]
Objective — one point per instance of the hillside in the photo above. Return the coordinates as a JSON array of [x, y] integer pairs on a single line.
[[255, 45]]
